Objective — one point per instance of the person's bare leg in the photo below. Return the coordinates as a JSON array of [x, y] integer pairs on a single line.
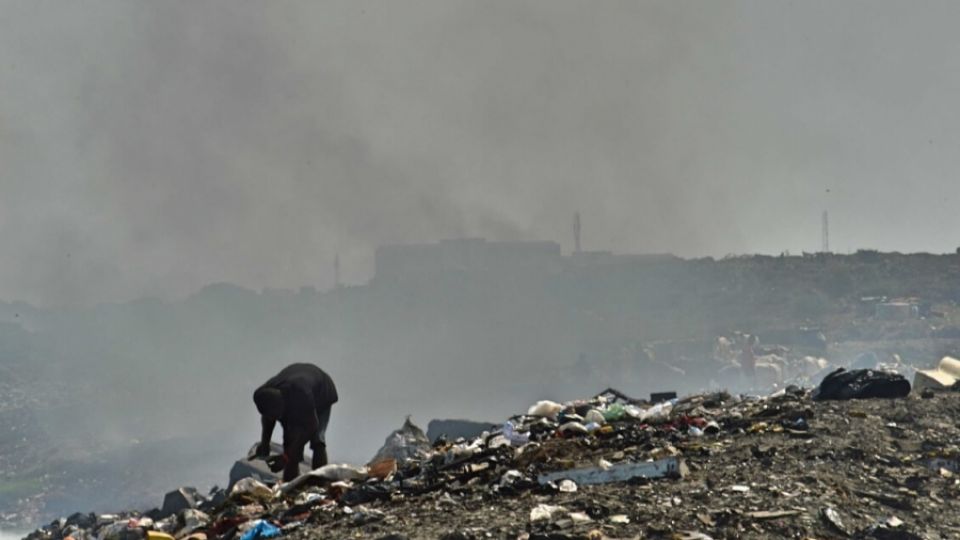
[[293, 452], [318, 444]]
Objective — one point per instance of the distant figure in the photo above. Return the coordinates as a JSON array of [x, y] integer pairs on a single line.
[[748, 360], [300, 398]]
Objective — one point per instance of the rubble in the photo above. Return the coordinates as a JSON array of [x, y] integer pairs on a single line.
[[408, 442], [712, 465], [185, 498]]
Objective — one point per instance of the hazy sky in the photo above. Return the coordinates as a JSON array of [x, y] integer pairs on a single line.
[[154, 147]]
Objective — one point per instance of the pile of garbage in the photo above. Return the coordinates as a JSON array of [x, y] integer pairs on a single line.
[[706, 466]]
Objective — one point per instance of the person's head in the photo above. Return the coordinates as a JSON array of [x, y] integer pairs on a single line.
[[269, 402]]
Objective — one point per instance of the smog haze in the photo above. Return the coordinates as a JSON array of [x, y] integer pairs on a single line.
[[179, 177], [149, 149]]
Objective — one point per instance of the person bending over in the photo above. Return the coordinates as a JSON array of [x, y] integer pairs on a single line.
[[300, 398]]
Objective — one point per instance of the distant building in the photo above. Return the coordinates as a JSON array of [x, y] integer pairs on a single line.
[[476, 257], [471, 256], [897, 311], [592, 259]]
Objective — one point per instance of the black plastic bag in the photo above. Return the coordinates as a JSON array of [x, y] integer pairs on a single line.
[[861, 384]]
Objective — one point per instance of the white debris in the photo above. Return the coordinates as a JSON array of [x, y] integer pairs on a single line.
[[594, 416], [547, 408], [579, 517], [567, 486], [545, 512], [250, 486]]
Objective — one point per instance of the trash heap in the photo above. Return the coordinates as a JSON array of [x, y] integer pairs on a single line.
[[704, 466]]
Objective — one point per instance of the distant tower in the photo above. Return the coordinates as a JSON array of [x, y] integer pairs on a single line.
[[336, 271], [826, 233], [576, 232]]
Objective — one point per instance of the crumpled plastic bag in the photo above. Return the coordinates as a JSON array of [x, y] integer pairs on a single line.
[[594, 416], [549, 409], [515, 437], [659, 412], [261, 529], [613, 413]]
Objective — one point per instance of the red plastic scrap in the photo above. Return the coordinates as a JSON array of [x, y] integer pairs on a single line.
[[695, 421], [228, 523], [298, 517]]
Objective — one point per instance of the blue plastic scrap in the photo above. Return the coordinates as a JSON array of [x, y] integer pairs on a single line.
[[261, 529]]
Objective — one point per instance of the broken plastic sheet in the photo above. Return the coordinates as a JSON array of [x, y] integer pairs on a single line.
[[261, 529], [332, 472]]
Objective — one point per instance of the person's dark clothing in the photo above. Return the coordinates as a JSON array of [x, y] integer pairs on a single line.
[[307, 393]]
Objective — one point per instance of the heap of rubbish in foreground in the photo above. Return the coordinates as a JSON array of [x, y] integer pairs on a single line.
[[794, 464]]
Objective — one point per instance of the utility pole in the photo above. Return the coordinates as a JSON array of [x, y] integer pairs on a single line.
[[336, 271], [826, 233], [576, 232]]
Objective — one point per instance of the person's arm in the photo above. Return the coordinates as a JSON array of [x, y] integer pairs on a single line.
[[266, 433]]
